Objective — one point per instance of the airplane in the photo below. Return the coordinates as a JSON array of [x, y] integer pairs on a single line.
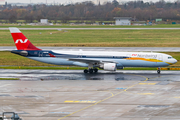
[[109, 61]]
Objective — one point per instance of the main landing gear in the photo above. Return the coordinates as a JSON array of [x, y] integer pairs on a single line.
[[91, 70], [159, 70]]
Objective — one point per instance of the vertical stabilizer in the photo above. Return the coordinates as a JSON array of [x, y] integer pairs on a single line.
[[21, 42]]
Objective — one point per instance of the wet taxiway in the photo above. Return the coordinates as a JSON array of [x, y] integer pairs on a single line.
[[71, 94], [79, 75]]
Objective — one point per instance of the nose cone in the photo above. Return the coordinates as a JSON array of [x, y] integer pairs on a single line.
[[174, 61]]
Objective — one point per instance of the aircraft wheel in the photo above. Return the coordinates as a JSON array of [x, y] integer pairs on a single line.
[[90, 70], [158, 71], [85, 71], [95, 70]]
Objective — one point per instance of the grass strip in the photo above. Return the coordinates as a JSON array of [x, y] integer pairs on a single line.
[[91, 26], [9, 78], [97, 38]]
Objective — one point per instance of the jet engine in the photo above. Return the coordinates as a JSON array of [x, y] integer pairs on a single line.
[[108, 66], [24, 53]]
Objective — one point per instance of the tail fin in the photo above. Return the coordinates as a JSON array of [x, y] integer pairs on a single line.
[[21, 42]]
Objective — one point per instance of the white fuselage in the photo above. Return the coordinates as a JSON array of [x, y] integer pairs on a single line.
[[122, 59]]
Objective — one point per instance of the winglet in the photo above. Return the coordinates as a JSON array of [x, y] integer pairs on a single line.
[[21, 42]]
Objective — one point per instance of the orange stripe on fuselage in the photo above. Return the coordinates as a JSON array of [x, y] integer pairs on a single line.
[[144, 59]]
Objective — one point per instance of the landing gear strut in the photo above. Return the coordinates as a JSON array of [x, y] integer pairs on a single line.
[[95, 70], [159, 70], [91, 70]]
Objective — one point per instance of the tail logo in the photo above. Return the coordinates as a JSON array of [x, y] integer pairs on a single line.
[[21, 41]]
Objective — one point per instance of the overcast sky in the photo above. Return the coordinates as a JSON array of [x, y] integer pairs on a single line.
[[65, 1]]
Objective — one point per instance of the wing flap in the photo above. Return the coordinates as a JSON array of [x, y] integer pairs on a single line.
[[90, 60]]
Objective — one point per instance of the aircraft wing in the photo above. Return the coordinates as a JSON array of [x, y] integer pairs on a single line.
[[91, 60]]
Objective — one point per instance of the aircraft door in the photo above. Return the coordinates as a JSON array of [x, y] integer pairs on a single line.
[[80, 55], [40, 54], [160, 57], [128, 55]]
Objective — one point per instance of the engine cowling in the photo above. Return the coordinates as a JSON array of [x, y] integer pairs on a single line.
[[109, 66], [24, 53]]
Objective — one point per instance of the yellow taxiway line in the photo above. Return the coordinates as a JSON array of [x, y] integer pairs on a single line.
[[112, 95]]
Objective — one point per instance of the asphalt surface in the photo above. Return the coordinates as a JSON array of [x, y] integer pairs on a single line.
[[71, 94], [120, 49]]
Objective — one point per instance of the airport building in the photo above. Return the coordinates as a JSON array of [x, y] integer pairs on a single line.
[[122, 20], [44, 21]]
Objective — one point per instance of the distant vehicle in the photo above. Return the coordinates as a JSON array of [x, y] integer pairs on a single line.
[[15, 117], [109, 61], [6, 116]]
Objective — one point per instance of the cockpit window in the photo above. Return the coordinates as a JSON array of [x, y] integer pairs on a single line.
[[170, 57]]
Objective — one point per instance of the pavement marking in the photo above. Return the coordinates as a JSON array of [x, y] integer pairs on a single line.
[[130, 87], [176, 97], [79, 101], [112, 95], [121, 88], [144, 77], [140, 84], [5, 85], [156, 77], [108, 92], [141, 76], [147, 83], [146, 93], [69, 101], [59, 112], [90, 105]]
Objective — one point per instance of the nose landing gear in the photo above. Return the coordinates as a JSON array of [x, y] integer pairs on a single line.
[[159, 70]]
